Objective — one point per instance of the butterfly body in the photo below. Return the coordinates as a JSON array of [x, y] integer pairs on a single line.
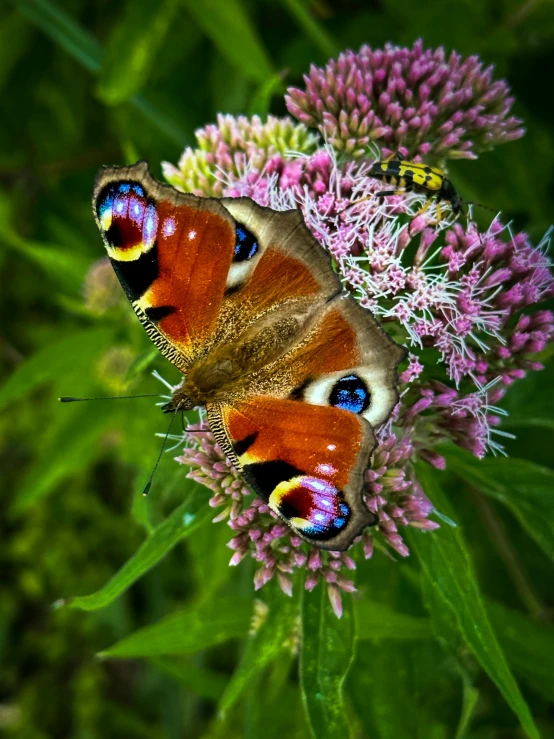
[[231, 369], [293, 373]]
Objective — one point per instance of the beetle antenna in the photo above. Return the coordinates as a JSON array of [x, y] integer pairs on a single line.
[[480, 205]]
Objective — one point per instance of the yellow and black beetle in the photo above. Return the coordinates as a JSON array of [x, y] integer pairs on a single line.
[[417, 177]]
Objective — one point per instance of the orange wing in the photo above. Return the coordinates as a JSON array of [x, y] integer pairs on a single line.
[[303, 437], [201, 271], [171, 253], [204, 275], [307, 462]]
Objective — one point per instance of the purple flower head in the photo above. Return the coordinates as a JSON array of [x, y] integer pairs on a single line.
[[417, 101], [458, 298]]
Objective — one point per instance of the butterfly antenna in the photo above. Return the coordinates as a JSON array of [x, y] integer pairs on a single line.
[[71, 399], [164, 442]]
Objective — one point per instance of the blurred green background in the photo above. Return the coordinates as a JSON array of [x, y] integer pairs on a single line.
[[441, 638]]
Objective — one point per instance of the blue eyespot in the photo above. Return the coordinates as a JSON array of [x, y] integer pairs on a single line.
[[351, 394], [114, 192], [246, 245], [149, 223], [105, 201]]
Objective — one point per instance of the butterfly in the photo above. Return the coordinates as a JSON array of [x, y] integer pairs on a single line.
[[293, 373]]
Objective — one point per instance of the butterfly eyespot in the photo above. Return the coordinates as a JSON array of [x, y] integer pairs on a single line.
[[149, 224], [117, 193], [246, 245], [128, 220], [313, 506], [351, 394]]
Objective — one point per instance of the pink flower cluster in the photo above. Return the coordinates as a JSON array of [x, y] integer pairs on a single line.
[[415, 101], [236, 146], [453, 295]]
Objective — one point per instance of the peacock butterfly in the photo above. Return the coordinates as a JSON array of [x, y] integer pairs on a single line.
[[293, 373]]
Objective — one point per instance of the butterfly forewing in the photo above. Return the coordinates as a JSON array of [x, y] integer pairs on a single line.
[[171, 253]]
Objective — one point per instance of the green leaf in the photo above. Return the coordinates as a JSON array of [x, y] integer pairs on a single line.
[[470, 698], [185, 519], [230, 28], [70, 448], [188, 630], [527, 489], [449, 574], [529, 646], [311, 28], [141, 363], [378, 621], [66, 266], [264, 645], [63, 30], [132, 48], [527, 403], [261, 101], [270, 715], [85, 49], [386, 685], [75, 353], [198, 680], [327, 652], [535, 422], [62, 266], [208, 552], [15, 37]]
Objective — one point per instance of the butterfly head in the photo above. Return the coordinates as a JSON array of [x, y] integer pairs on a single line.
[[180, 401]]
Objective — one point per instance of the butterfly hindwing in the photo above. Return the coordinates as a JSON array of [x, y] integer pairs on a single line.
[[306, 462], [305, 441], [346, 360]]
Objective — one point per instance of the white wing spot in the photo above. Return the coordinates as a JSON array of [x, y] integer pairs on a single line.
[[169, 227], [325, 469]]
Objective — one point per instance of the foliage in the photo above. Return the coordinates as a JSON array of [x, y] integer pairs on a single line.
[[436, 645]]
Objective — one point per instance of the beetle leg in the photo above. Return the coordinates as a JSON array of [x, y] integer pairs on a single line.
[[423, 208], [385, 193]]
